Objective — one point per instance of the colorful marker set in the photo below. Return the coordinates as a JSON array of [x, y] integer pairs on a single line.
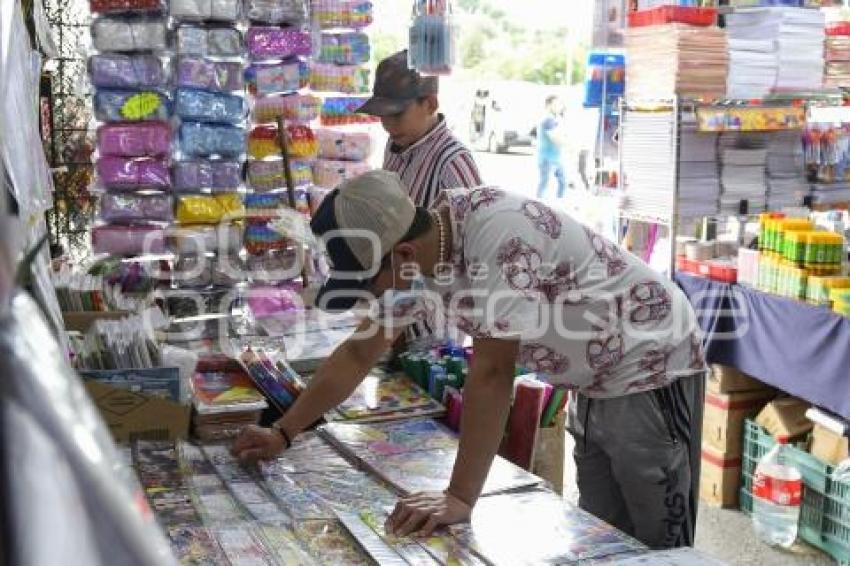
[[434, 371], [277, 381]]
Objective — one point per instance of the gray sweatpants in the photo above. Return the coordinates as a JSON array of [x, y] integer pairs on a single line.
[[638, 459]]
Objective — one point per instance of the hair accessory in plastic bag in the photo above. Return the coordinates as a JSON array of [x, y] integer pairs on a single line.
[[260, 238], [330, 174], [351, 79], [264, 142], [115, 34], [204, 140], [342, 111], [219, 176], [205, 10], [269, 175], [203, 209], [342, 13], [203, 106], [134, 140], [127, 240], [218, 76], [212, 42], [294, 108], [111, 6], [346, 48], [126, 71], [205, 238], [290, 12], [130, 106], [343, 145], [119, 208], [119, 173], [277, 43], [273, 78]]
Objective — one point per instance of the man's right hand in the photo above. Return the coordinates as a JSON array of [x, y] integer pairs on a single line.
[[257, 443]]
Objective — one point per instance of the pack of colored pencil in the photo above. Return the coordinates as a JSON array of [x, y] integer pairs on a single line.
[[554, 403], [278, 382]]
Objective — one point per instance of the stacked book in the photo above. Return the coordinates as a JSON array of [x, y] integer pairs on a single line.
[[785, 172], [699, 174], [676, 59], [743, 166]]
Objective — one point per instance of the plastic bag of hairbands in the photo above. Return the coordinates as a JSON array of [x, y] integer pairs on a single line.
[[209, 209], [342, 13], [259, 239], [351, 79], [127, 240], [120, 208], [130, 106], [216, 76], [277, 43], [330, 174], [317, 196], [200, 239], [348, 48], [264, 142], [300, 108], [123, 174], [218, 176], [342, 145], [205, 10], [342, 111], [203, 106], [209, 41], [126, 71], [272, 78], [290, 12], [262, 207], [115, 34], [204, 140], [134, 140], [111, 6], [269, 175]]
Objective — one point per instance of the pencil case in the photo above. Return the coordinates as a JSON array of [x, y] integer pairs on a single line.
[[127, 240], [205, 10], [290, 12], [122, 174], [274, 78], [203, 238], [331, 173], [342, 111], [209, 41], [342, 145], [208, 209], [264, 142], [117, 6], [342, 13], [295, 108], [119, 208], [218, 76], [134, 140], [218, 176], [116, 34], [269, 175], [262, 207], [204, 140], [346, 48], [203, 106], [259, 239], [130, 106], [114, 70], [277, 43], [349, 79]]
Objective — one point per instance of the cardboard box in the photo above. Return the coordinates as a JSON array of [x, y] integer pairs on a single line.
[[550, 451], [726, 379], [720, 478], [131, 415], [829, 446], [785, 419], [723, 419]]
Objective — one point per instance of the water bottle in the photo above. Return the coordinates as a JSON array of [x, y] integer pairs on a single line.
[[777, 492]]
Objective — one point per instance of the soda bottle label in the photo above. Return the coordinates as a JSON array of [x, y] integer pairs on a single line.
[[778, 491]]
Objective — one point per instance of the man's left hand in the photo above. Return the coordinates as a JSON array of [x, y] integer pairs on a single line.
[[423, 512]]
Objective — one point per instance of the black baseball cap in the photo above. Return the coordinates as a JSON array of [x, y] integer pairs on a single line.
[[397, 86]]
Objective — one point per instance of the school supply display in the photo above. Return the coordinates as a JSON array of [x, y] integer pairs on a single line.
[[382, 397], [128, 343]]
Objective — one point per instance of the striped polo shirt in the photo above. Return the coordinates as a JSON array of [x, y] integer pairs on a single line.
[[437, 162]]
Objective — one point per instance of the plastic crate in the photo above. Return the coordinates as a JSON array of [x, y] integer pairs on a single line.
[[825, 509], [673, 14]]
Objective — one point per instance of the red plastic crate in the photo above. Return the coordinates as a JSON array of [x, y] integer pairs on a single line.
[[721, 271], [673, 14]]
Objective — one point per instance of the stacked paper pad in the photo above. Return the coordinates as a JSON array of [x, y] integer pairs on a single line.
[[699, 178], [676, 59], [785, 173], [743, 165], [774, 49]]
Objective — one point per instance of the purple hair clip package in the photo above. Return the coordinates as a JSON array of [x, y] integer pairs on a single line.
[[203, 106], [131, 208], [116, 70], [200, 175], [134, 139], [277, 43], [121, 174], [216, 76]]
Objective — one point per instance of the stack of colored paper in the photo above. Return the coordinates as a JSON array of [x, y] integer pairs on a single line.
[[676, 59], [382, 397]]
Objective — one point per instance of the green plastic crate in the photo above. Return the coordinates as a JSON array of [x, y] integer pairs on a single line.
[[825, 509]]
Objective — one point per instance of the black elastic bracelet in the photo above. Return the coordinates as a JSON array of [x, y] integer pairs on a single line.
[[284, 434]]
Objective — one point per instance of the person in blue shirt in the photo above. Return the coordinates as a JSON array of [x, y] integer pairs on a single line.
[[550, 143]]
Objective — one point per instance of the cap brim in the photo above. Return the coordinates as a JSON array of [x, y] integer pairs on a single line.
[[339, 295], [380, 106]]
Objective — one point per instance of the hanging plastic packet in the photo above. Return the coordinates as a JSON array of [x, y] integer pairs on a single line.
[[116, 70], [344, 145], [126, 174], [205, 10], [134, 140], [131, 106], [214, 76], [349, 79], [277, 43], [203, 106], [127, 240], [264, 141], [344, 48], [433, 43], [203, 175], [124, 6], [342, 111], [277, 78], [131, 208], [129, 34], [206, 140], [298, 108], [203, 238], [277, 12], [221, 41], [330, 14], [204, 209], [266, 176], [330, 174]]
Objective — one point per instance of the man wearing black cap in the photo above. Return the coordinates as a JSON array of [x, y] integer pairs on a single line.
[[421, 149]]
